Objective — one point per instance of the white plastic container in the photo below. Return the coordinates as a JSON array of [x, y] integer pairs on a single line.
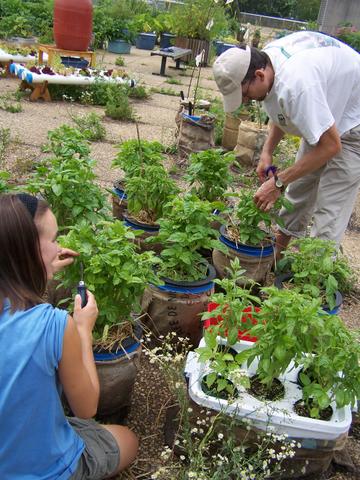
[[8, 57], [24, 74], [276, 414]]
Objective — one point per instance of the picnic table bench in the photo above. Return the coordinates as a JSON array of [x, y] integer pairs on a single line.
[[176, 53]]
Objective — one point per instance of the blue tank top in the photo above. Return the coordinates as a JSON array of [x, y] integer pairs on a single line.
[[36, 440]]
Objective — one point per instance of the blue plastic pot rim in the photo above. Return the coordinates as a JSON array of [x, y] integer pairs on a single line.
[[105, 357], [187, 290], [248, 250], [120, 193], [194, 118], [144, 227]]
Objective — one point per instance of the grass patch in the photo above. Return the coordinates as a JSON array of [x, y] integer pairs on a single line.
[[139, 92], [165, 91], [5, 139], [173, 81], [10, 102]]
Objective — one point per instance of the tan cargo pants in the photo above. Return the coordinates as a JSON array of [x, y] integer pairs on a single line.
[[326, 196]]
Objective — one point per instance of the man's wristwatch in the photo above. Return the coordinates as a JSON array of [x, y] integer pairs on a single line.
[[279, 183]]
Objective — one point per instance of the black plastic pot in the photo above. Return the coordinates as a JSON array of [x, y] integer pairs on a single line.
[[285, 277]]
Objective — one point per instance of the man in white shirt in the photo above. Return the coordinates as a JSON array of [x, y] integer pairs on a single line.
[[310, 86]]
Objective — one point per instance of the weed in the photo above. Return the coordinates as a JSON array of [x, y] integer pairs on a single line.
[[165, 91], [120, 62], [119, 108], [5, 139], [173, 81], [9, 102], [90, 126], [217, 109], [139, 92]]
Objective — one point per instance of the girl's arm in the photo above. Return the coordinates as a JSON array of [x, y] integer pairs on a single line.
[[77, 371]]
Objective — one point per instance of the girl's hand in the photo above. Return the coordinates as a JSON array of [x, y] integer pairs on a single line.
[[85, 317], [65, 257]]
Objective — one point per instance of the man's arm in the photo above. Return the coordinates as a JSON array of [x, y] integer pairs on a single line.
[[327, 147]]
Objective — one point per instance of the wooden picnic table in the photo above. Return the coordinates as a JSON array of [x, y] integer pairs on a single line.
[[176, 53]]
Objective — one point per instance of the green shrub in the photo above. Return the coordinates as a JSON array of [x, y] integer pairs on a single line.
[[120, 62], [351, 38], [67, 179], [139, 92], [120, 109], [90, 126]]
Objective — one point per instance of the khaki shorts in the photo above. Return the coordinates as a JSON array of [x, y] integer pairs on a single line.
[[101, 455], [327, 196]]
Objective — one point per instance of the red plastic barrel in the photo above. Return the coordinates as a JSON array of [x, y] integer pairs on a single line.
[[73, 24]]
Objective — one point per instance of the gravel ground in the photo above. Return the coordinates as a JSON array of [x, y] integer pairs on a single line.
[[156, 122]]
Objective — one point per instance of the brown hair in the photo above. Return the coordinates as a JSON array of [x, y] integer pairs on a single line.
[[258, 60], [22, 270]]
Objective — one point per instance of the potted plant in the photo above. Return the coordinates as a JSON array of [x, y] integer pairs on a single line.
[[117, 275], [131, 155], [164, 29], [188, 278], [145, 24], [121, 38], [293, 332], [248, 236], [296, 330], [313, 266], [196, 23], [148, 186], [67, 179], [208, 174], [230, 315], [147, 193]]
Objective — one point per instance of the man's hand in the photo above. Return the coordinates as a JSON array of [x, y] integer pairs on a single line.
[[65, 257], [265, 162], [266, 195]]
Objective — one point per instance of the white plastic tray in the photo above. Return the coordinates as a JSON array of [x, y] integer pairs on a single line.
[[278, 414]]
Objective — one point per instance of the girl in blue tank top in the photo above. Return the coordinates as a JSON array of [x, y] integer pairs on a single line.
[[45, 350]]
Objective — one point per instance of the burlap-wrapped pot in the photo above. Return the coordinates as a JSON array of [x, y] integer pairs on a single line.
[[250, 141], [255, 260], [230, 132], [177, 307], [195, 133], [117, 372]]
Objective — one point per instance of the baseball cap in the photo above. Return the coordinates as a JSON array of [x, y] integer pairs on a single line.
[[229, 70]]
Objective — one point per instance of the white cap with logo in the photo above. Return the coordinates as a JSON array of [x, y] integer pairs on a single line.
[[229, 70]]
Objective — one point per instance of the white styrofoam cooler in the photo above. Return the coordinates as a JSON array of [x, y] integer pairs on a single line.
[[264, 414]]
